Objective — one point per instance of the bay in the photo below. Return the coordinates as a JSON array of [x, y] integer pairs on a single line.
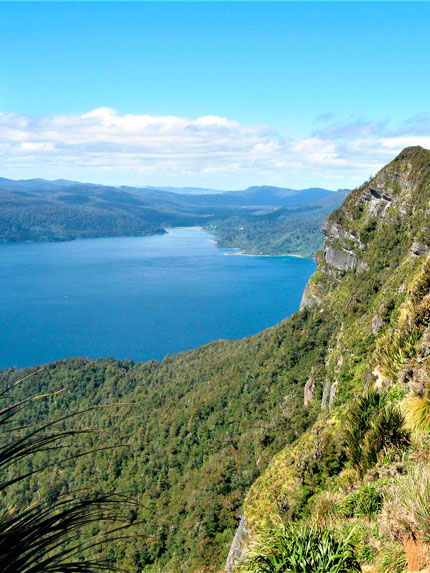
[[137, 298]]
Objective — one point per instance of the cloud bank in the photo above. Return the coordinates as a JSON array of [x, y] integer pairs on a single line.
[[103, 145]]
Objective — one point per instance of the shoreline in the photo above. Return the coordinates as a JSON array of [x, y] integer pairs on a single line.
[[237, 252], [167, 229], [243, 254]]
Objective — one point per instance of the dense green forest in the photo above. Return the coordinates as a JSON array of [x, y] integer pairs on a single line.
[[267, 220], [294, 230], [319, 424], [200, 429]]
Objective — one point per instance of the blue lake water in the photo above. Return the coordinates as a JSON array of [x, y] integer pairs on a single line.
[[137, 297]]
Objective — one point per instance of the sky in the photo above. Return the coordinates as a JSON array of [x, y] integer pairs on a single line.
[[212, 94]]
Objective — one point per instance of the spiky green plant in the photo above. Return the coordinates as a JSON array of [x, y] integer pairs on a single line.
[[44, 537], [358, 423], [386, 432], [299, 550], [397, 346], [373, 427]]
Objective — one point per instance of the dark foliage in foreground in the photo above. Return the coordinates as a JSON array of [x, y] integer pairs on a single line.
[[44, 535]]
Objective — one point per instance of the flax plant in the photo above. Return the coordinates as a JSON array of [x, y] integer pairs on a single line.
[[296, 549], [46, 537]]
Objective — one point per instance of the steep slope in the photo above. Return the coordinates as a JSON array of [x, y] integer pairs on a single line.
[[373, 281], [262, 417], [200, 427]]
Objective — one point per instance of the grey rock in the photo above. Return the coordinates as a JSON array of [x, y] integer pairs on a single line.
[[376, 200], [309, 391], [419, 249], [341, 259], [236, 552], [309, 298], [332, 396], [377, 322], [335, 231], [326, 392]]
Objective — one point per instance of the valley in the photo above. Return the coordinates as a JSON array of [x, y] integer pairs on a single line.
[[259, 220]]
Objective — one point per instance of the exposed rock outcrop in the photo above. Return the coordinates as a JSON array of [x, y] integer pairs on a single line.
[[326, 393], [419, 249], [340, 247], [332, 396], [376, 200], [309, 391], [335, 231], [236, 550], [342, 260], [377, 322], [310, 298]]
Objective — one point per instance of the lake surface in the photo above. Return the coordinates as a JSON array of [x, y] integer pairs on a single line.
[[137, 297]]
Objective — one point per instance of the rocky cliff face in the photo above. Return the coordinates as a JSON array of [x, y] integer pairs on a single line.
[[393, 196], [376, 249]]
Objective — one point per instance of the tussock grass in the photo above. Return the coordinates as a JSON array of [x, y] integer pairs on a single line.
[[406, 507], [391, 559], [417, 414], [327, 510]]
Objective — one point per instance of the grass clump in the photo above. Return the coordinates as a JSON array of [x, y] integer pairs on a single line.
[[391, 559], [300, 550], [365, 502], [417, 414], [327, 509], [396, 348], [406, 508]]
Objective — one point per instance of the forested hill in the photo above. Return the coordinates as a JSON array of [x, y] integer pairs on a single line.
[[270, 220], [263, 428]]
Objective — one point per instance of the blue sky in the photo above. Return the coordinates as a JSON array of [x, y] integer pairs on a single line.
[[214, 94]]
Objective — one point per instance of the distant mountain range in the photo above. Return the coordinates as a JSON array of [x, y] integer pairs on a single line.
[[41, 210]]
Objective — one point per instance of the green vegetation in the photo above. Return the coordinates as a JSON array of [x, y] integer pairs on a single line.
[[260, 220], [280, 231], [222, 431], [198, 429], [381, 383], [392, 559], [300, 550], [373, 427]]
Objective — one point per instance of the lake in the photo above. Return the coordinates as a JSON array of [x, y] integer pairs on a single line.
[[137, 298]]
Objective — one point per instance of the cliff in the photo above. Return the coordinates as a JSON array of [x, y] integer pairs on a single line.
[[373, 286]]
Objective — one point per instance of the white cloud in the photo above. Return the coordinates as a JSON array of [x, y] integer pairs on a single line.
[[103, 145]]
